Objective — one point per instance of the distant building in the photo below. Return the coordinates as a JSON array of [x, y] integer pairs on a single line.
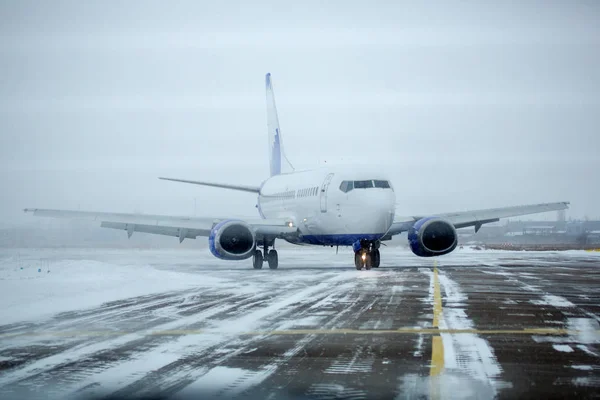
[[575, 228]]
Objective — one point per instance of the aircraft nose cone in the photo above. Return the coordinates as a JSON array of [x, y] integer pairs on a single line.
[[375, 215]]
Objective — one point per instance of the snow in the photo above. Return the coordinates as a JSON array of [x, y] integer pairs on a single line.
[[581, 330], [583, 367], [469, 361], [587, 330], [552, 300], [79, 280], [225, 382], [587, 350], [80, 284], [590, 381], [452, 384], [565, 348]]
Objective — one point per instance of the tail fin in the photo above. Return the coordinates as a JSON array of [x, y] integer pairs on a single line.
[[278, 161]]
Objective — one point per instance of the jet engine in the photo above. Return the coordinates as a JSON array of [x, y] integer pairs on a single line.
[[232, 240], [432, 236]]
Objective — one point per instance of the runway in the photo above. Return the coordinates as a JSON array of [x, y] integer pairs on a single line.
[[168, 324]]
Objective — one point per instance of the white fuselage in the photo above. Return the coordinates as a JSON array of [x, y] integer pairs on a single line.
[[323, 212]]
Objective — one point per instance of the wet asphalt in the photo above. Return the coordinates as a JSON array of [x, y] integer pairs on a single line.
[[515, 328]]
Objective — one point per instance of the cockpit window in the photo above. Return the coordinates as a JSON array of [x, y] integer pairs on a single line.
[[347, 186], [381, 184], [363, 184]]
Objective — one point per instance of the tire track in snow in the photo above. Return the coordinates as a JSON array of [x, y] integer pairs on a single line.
[[89, 360], [345, 367], [193, 367], [26, 350]]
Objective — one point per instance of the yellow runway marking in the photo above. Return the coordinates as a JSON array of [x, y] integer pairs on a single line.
[[437, 356]]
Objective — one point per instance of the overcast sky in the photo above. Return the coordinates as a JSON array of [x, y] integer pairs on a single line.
[[466, 104]]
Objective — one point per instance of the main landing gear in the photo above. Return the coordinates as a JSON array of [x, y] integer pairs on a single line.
[[270, 257], [367, 256]]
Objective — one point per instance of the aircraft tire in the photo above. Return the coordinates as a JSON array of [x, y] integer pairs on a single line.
[[368, 262], [358, 260], [375, 258], [359, 263], [273, 259], [257, 259]]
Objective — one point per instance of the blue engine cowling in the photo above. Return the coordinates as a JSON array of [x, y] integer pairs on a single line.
[[432, 236], [232, 240]]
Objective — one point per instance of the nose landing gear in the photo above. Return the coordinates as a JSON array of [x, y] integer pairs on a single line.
[[367, 256], [362, 258], [376, 258]]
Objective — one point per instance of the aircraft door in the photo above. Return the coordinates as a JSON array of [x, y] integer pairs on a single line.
[[323, 192]]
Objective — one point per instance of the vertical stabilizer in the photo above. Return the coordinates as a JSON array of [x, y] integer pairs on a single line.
[[278, 161]]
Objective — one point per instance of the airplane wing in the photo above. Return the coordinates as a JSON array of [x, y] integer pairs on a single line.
[[477, 218], [181, 227]]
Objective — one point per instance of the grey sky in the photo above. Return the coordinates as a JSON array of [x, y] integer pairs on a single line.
[[468, 104]]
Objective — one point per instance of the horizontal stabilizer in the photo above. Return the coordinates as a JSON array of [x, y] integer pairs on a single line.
[[243, 188]]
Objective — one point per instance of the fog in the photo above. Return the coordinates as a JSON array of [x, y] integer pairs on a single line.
[[465, 104]]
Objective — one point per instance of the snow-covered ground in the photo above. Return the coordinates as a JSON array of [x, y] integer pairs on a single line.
[[37, 283], [128, 322], [40, 283]]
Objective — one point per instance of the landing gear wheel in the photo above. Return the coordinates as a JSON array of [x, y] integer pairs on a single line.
[[358, 262], [273, 259], [362, 259], [375, 258], [368, 261], [257, 259]]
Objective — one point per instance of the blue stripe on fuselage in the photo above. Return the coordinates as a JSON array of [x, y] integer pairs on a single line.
[[338, 240]]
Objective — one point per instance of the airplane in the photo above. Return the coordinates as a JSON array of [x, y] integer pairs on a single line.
[[327, 206]]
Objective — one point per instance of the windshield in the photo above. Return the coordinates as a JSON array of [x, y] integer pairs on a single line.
[[347, 186]]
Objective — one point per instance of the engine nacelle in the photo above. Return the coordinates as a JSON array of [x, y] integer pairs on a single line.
[[432, 236], [232, 240]]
